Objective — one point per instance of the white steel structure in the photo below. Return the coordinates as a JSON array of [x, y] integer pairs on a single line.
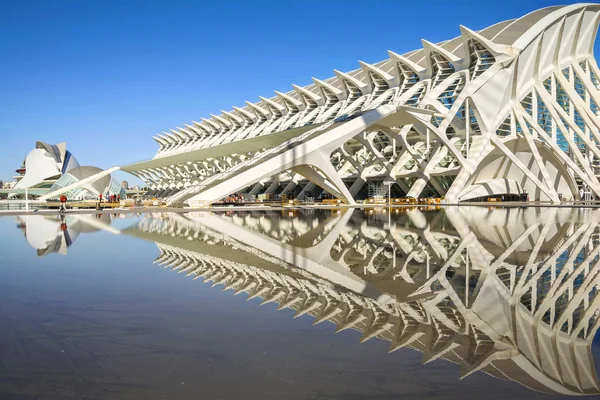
[[512, 293], [510, 108]]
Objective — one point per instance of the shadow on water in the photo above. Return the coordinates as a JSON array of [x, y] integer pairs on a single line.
[[506, 294]]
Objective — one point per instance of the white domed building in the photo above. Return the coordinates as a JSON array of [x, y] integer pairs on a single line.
[[50, 167], [44, 165]]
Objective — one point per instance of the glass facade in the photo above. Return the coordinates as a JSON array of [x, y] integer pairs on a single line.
[[88, 192]]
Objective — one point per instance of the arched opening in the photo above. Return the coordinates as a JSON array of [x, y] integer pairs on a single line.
[[498, 175]]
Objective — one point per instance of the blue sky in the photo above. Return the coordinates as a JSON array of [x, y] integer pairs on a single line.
[[106, 75]]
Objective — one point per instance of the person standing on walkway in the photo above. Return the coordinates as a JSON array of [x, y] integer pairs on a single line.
[[63, 202]]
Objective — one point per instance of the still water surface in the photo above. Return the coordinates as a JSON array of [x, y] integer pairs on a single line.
[[451, 304]]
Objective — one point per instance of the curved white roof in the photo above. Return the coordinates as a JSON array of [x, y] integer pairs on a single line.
[[516, 32]]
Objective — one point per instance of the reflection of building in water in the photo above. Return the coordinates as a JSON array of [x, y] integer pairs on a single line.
[[51, 234], [510, 292]]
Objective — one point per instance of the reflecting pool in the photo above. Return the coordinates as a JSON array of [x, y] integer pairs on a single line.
[[465, 302]]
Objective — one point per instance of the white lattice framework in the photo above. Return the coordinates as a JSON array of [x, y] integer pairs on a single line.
[[512, 295], [510, 108]]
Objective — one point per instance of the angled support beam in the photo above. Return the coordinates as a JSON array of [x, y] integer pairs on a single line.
[[79, 184], [550, 192]]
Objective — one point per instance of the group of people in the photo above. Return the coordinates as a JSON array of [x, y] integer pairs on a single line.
[[235, 198], [111, 198]]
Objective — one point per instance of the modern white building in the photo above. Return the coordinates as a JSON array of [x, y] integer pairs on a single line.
[[45, 164], [50, 168], [8, 184], [508, 109]]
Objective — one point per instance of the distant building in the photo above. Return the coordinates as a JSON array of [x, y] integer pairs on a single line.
[[44, 165], [48, 168], [7, 184], [125, 185]]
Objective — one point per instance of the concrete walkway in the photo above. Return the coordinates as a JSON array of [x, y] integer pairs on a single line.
[[135, 210]]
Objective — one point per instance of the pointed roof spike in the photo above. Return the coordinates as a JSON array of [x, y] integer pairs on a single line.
[[391, 80], [494, 48], [428, 46], [234, 118], [170, 137], [415, 67], [160, 143], [272, 104], [185, 135], [179, 136], [259, 109], [212, 124], [337, 92], [245, 113], [210, 130], [377, 70], [187, 132], [285, 97], [195, 129], [300, 90], [165, 140], [200, 125], [217, 118], [456, 62], [357, 82], [160, 139]]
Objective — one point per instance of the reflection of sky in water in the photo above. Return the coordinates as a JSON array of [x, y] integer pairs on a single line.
[[104, 321]]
